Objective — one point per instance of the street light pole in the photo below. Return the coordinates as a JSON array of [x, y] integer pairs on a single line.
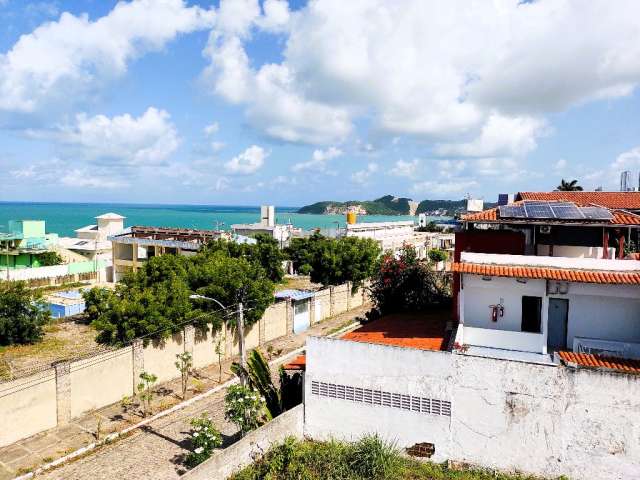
[[243, 355]]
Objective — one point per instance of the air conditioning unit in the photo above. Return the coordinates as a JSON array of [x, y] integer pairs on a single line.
[[545, 229]]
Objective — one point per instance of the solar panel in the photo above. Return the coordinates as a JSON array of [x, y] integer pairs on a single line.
[[566, 211], [596, 213], [538, 210], [512, 211]]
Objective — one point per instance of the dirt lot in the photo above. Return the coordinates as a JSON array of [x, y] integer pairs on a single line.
[[298, 282], [62, 340]]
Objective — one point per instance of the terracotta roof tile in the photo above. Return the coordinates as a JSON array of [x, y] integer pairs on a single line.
[[298, 363], [560, 274], [598, 361], [624, 200]]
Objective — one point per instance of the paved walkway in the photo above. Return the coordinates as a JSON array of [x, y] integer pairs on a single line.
[[155, 451]]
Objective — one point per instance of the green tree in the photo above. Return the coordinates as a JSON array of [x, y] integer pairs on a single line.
[[244, 407], [436, 255], [571, 186], [48, 259], [145, 391], [335, 261], [184, 364], [22, 314]]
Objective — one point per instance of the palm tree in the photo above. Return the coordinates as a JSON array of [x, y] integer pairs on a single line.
[[571, 186]]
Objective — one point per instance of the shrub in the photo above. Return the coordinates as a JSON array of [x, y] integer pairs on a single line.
[[205, 437], [258, 374], [22, 314], [436, 255], [48, 259], [406, 284], [184, 364], [244, 407], [145, 390]]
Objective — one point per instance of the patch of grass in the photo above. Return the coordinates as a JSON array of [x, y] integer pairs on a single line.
[[341, 326], [370, 458]]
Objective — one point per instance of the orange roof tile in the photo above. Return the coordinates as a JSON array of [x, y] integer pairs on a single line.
[[624, 200], [560, 274], [425, 331], [598, 361], [298, 363]]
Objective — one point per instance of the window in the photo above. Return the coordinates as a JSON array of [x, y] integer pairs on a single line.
[[531, 314]]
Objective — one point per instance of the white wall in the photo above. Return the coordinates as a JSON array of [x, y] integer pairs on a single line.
[[479, 294], [546, 420], [576, 252]]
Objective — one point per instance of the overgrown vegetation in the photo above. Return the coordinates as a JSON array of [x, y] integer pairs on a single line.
[[205, 437], [436, 255], [154, 302], [370, 458], [48, 259], [23, 314], [258, 375], [406, 284], [245, 408], [332, 261]]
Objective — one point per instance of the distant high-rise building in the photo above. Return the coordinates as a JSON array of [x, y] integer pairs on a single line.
[[625, 181]]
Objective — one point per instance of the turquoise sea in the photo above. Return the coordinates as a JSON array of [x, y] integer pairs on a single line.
[[64, 218]]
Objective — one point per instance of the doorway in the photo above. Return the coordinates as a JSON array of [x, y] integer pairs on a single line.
[[531, 317], [558, 320]]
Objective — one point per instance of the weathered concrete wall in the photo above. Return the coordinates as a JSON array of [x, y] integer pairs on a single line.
[[204, 347], [160, 357], [508, 415], [275, 321], [322, 305], [244, 452], [340, 298], [27, 406], [110, 374]]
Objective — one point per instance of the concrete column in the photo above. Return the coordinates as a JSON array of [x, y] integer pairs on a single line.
[[312, 310], [331, 300], [262, 331], [134, 256], [189, 338], [349, 285], [137, 351], [63, 392], [290, 314]]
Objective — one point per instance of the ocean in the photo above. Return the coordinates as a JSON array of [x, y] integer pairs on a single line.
[[64, 218]]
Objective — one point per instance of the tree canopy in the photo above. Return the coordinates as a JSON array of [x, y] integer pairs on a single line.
[[155, 301], [332, 261], [571, 186], [22, 314]]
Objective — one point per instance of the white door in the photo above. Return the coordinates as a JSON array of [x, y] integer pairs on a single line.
[[301, 316]]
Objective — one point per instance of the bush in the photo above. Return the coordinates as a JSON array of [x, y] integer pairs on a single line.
[[406, 284], [205, 437], [22, 314], [436, 255], [48, 259], [244, 407]]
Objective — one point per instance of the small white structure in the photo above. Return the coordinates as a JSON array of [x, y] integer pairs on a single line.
[[91, 240], [301, 301], [475, 205], [267, 226], [391, 236], [541, 304]]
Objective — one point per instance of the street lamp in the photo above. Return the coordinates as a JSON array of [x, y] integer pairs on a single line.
[[243, 356]]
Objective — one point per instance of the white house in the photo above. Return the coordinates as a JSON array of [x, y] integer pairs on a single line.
[[391, 236]]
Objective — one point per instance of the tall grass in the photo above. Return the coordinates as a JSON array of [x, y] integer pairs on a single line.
[[370, 458]]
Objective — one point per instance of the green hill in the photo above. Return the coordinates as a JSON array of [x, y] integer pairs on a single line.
[[387, 205]]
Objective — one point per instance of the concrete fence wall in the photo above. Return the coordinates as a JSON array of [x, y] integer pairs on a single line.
[[245, 451], [69, 389], [546, 420]]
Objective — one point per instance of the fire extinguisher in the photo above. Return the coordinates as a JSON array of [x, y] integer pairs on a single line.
[[496, 311]]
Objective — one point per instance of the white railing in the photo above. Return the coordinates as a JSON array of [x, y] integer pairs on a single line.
[[607, 348], [557, 262], [503, 339]]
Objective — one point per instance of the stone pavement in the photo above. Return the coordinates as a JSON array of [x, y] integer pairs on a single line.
[[154, 451]]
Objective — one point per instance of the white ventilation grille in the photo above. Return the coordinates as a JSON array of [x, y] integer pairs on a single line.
[[429, 406]]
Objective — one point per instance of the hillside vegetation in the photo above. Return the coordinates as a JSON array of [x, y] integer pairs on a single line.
[[387, 205]]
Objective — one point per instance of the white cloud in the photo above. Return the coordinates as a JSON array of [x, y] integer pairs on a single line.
[[362, 176], [148, 139], [248, 162], [68, 58], [443, 187], [319, 160], [627, 161], [217, 146], [405, 169], [477, 83], [560, 165], [83, 178], [211, 129], [276, 15]]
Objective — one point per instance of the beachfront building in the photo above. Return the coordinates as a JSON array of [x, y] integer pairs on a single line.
[[267, 225], [21, 246], [91, 241], [391, 236], [135, 245], [541, 276]]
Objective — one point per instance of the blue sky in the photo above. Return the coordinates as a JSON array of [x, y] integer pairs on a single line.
[[247, 102]]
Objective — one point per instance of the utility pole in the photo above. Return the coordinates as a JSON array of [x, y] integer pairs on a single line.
[[243, 352]]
